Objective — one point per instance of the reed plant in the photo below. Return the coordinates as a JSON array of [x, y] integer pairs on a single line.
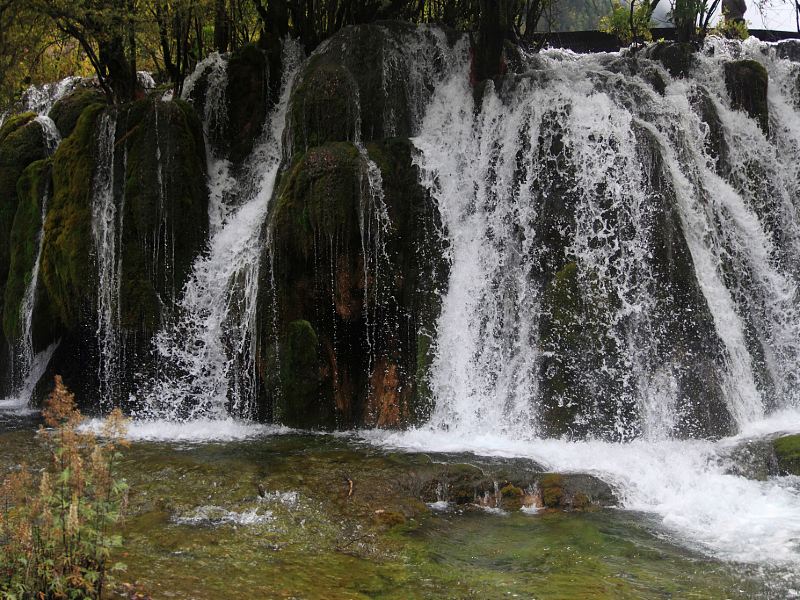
[[59, 522]]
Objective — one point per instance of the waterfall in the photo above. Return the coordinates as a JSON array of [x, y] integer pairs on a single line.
[[576, 122], [106, 232], [565, 183], [207, 352]]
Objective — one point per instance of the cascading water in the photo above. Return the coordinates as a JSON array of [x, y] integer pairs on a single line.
[[106, 232], [28, 367], [206, 354], [564, 191]]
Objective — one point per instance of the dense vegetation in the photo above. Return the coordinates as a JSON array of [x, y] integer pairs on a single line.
[[44, 40]]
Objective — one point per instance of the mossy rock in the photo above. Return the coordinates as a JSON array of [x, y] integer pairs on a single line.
[[747, 82], [32, 188], [22, 142], [787, 451], [677, 57], [375, 341], [575, 492], [353, 82], [165, 220], [66, 112], [67, 267], [323, 106], [15, 122]]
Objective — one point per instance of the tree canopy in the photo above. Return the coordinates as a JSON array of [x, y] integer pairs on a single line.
[[45, 40]]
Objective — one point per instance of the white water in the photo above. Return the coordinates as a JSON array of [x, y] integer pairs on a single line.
[[683, 483], [207, 353], [19, 401], [107, 227]]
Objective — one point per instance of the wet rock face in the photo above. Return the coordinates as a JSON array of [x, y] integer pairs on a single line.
[[350, 299], [747, 83], [249, 93], [161, 222], [165, 220], [22, 142], [32, 186], [677, 57]]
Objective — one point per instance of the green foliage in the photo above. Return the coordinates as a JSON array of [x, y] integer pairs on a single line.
[[692, 18], [731, 29], [57, 532], [618, 22]]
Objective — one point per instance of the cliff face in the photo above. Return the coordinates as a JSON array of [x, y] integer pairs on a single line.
[[357, 237]]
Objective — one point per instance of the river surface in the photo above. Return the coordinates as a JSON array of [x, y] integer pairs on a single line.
[[268, 512]]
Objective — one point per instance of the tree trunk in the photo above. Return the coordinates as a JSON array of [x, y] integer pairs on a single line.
[[222, 26], [494, 27]]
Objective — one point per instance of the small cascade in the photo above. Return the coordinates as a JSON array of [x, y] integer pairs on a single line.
[[26, 354], [374, 223], [206, 354], [51, 134], [40, 99], [106, 231]]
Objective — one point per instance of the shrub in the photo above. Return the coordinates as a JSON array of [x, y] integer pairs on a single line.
[[57, 529], [618, 22]]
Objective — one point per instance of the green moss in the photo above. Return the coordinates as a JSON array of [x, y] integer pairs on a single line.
[[323, 106], [552, 487], [31, 189], [166, 207], [319, 198], [787, 451], [66, 256], [747, 82], [301, 403], [15, 122], [66, 112]]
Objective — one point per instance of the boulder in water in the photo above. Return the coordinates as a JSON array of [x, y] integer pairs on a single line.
[[787, 453], [677, 57]]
